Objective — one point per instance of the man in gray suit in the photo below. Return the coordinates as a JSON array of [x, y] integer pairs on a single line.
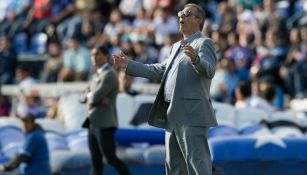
[[183, 106], [102, 118]]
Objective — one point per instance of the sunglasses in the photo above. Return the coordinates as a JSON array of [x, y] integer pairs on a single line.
[[185, 13]]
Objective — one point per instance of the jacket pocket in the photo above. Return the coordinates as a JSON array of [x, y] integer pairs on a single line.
[[192, 95], [193, 106]]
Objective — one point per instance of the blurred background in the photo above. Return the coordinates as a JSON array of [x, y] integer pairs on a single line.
[[259, 91]]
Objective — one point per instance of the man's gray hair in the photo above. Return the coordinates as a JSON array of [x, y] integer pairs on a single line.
[[200, 14]]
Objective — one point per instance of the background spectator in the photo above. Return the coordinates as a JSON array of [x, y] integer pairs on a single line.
[[76, 62], [8, 61]]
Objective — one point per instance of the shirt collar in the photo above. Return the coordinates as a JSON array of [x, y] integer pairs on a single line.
[[102, 67], [190, 39]]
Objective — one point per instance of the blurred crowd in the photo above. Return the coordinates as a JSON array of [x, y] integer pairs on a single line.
[[261, 45]]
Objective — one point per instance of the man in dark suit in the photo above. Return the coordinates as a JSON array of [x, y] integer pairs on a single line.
[[183, 106], [102, 118]]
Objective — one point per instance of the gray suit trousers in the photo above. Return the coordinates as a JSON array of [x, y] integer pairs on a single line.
[[187, 150]]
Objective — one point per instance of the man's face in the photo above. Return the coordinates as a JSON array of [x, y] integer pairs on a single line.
[[27, 126], [188, 21], [97, 58]]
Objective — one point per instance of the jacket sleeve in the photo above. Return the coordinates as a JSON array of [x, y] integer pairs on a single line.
[[205, 66], [107, 84], [150, 71]]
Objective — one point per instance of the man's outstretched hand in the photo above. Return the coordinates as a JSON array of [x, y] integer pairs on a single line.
[[120, 60]]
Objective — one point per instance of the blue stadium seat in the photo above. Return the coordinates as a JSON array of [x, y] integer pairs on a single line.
[[255, 129], [77, 140], [155, 155], [260, 156], [222, 131], [56, 141], [39, 43], [11, 140], [20, 42], [70, 162], [129, 136]]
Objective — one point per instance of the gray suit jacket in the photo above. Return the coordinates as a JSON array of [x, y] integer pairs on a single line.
[[190, 104], [103, 84]]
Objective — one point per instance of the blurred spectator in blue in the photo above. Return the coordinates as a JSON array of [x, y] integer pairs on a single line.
[[17, 13], [218, 88], [38, 17], [31, 104], [76, 62], [240, 55], [273, 17], [220, 43], [163, 24], [145, 53], [289, 69], [34, 157], [29, 101], [8, 61], [271, 55], [81, 24], [227, 18], [92, 28], [115, 27], [166, 48], [295, 68], [248, 28], [299, 14], [140, 27], [53, 64], [225, 81], [61, 10], [231, 79], [129, 7]]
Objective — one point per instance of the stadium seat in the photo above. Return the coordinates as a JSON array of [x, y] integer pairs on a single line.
[[77, 140], [142, 100], [52, 125], [255, 130], [285, 116], [125, 109], [225, 113], [125, 136], [72, 112], [249, 116], [299, 105], [222, 131], [155, 155], [20, 42], [10, 121], [39, 43], [259, 156], [70, 162], [56, 141], [11, 140], [287, 131]]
